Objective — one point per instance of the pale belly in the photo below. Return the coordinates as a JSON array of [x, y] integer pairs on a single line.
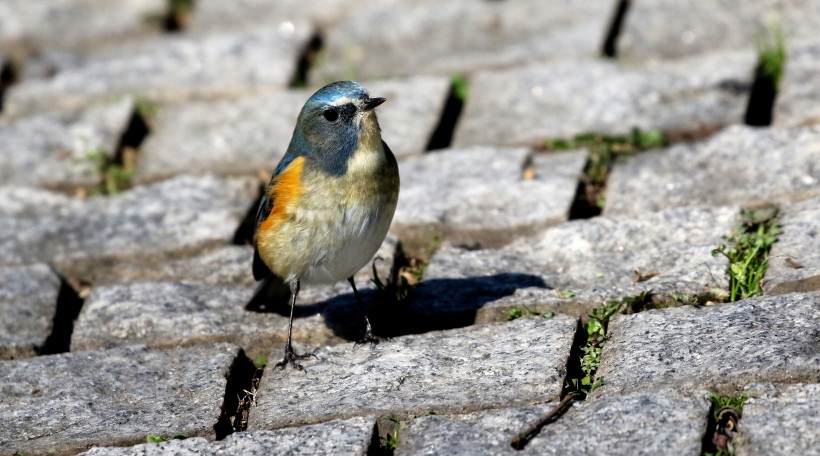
[[331, 243]]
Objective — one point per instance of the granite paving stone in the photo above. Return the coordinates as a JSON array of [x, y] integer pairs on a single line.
[[780, 419], [81, 238], [216, 14], [460, 36], [794, 260], [479, 195], [52, 150], [577, 265], [252, 133], [672, 29], [76, 23], [195, 301], [647, 422], [560, 100], [772, 338], [338, 437], [510, 364], [740, 165], [28, 302], [173, 69], [63, 404], [798, 95]]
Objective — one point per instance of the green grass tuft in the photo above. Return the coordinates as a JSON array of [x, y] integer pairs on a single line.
[[748, 252], [771, 56]]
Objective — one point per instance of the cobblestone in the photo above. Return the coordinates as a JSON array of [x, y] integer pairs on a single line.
[[521, 362], [563, 99], [62, 404], [780, 419], [767, 166], [794, 262], [28, 302]]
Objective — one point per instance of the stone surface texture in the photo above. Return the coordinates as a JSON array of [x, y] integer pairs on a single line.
[[522, 362], [460, 36], [765, 165], [607, 425], [82, 237], [560, 100], [798, 102], [252, 133], [773, 338], [28, 302], [794, 260], [51, 150], [672, 29], [338, 437], [65, 403], [479, 196], [577, 265], [781, 419], [174, 69]]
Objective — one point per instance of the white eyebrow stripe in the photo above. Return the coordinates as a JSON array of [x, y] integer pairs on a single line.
[[343, 101]]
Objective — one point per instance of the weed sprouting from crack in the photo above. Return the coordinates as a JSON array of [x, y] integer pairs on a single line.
[[747, 251], [516, 313], [603, 150], [114, 177]]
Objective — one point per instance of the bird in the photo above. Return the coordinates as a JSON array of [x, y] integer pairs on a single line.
[[330, 201]]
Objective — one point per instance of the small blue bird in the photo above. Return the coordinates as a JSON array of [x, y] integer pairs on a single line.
[[330, 201]]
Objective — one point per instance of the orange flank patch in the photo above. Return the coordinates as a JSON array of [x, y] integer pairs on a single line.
[[284, 192]]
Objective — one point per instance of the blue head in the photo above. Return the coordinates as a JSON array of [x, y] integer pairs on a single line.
[[331, 124]]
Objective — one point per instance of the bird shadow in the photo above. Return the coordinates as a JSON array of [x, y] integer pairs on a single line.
[[431, 305]]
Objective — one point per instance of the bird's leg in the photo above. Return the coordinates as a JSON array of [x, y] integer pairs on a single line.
[[290, 357], [368, 332]]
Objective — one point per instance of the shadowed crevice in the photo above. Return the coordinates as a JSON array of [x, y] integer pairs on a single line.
[[610, 47], [761, 102], [235, 406], [69, 304], [442, 136], [8, 76], [245, 230], [306, 60]]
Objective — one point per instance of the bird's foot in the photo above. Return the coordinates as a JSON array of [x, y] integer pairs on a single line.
[[370, 338], [291, 358]]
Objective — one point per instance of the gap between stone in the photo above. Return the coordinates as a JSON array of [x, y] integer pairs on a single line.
[[307, 57], [240, 396], [442, 136], [70, 301]]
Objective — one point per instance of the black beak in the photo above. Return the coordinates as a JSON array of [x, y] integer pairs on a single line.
[[373, 102]]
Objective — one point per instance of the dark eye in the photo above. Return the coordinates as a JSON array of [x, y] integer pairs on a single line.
[[330, 115]]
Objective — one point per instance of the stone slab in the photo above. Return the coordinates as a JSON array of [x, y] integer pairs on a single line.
[[574, 266], [459, 36], [195, 302], [767, 166], [516, 363], [664, 29], [688, 97], [28, 302], [172, 69], [80, 238], [76, 23], [797, 102], [51, 150], [479, 197], [338, 437], [781, 419], [773, 338], [216, 14], [794, 260], [650, 422], [63, 404], [252, 133]]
